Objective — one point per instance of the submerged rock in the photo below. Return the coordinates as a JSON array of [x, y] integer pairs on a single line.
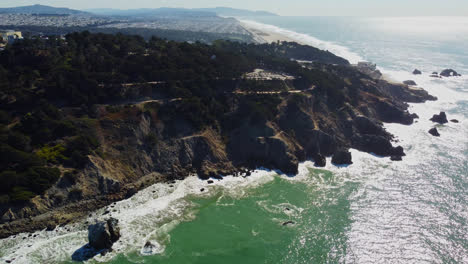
[[434, 132], [289, 223], [449, 73], [417, 72], [410, 82], [440, 118], [454, 121], [149, 249], [102, 235], [342, 157]]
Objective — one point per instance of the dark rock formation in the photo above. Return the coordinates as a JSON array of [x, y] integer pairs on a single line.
[[440, 118], [378, 145], [417, 72], [434, 132], [102, 235], [435, 75], [149, 248], [410, 82], [449, 73], [396, 158], [289, 223], [454, 121], [320, 160], [342, 157]]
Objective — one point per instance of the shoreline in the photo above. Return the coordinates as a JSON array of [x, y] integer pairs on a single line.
[[265, 36]]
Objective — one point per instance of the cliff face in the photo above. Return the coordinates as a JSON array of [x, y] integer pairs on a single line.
[[140, 145]]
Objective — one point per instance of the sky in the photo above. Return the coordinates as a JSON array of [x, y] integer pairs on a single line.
[[282, 7]]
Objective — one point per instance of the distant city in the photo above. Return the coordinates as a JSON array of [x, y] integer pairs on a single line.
[[45, 20]]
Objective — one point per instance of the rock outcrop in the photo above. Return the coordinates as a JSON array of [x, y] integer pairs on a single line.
[[103, 235], [417, 72], [434, 132], [320, 160], [454, 121], [449, 73], [410, 82], [435, 75], [342, 157], [440, 118]]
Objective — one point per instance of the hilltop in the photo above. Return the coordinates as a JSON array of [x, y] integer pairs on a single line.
[[41, 9], [220, 11]]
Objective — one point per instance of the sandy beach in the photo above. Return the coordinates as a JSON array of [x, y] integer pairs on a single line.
[[264, 35]]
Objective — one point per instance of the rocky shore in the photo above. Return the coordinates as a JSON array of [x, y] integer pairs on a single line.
[[306, 126], [288, 122]]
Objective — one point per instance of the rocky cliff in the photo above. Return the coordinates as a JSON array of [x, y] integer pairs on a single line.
[[142, 144]]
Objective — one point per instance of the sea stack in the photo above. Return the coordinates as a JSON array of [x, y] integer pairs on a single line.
[[417, 72], [342, 157], [103, 235], [440, 118], [434, 132], [449, 73]]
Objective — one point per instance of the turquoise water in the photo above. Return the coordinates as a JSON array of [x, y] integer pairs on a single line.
[[250, 229], [375, 211]]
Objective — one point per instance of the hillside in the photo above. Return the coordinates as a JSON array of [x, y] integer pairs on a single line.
[[41, 9], [94, 118], [221, 11], [148, 12]]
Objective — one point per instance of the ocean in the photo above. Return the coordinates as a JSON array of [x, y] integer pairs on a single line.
[[374, 211]]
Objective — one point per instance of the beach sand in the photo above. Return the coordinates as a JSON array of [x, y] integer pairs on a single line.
[[266, 36], [263, 35]]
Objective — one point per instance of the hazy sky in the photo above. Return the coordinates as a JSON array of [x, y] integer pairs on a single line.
[[283, 7]]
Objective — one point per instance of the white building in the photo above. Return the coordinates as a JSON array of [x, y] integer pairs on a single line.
[[10, 36]]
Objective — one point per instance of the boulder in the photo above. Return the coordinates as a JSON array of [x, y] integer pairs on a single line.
[[435, 73], [289, 223], [417, 72], [434, 132], [398, 151], [454, 121], [148, 249], [449, 73], [396, 158], [320, 160], [342, 157], [440, 118], [410, 82], [103, 235]]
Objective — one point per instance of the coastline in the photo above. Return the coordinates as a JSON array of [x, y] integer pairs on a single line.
[[157, 200], [266, 36], [263, 35]]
